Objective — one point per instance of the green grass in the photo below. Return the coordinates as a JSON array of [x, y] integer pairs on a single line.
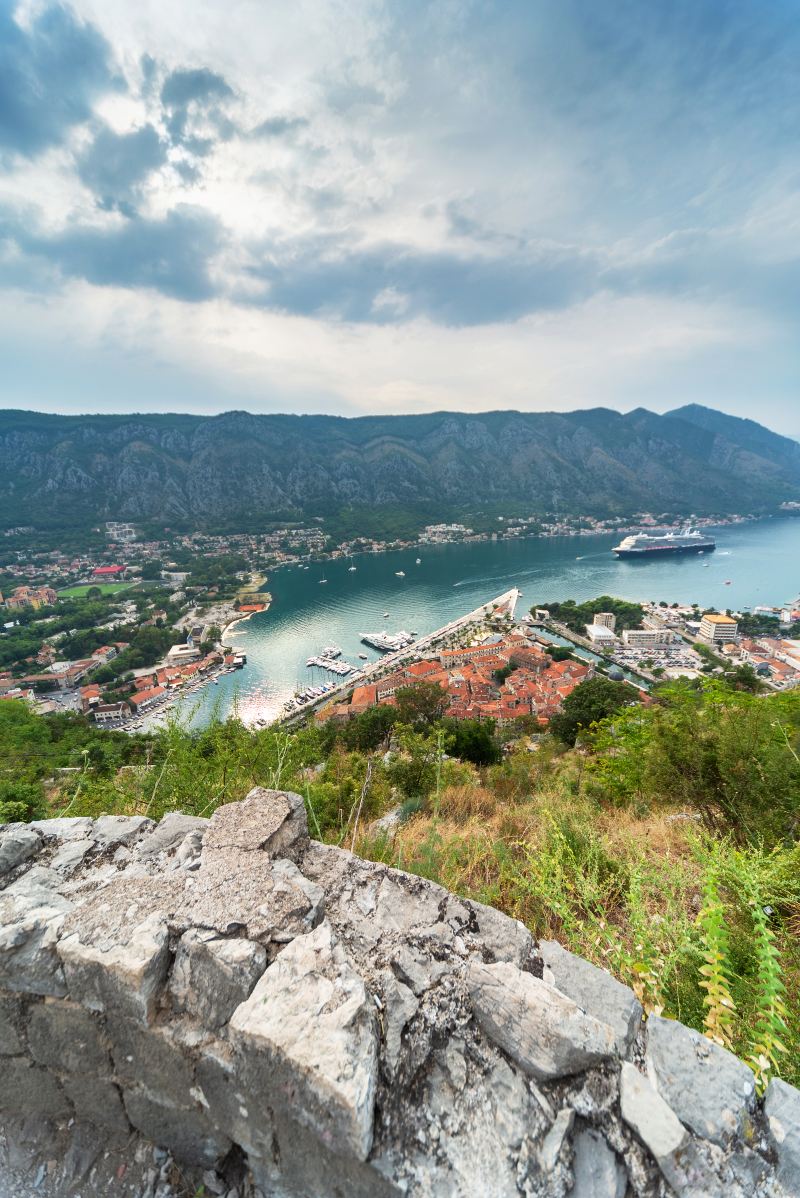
[[105, 588]]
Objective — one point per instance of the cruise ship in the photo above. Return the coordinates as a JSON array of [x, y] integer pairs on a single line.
[[644, 544]]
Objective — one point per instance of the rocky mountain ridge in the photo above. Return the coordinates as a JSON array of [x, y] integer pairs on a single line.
[[59, 470], [230, 1004]]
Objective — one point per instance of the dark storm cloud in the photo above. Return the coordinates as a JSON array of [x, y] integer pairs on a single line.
[[116, 164], [198, 92], [49, 76], [389, 283], [170, 255], [277, 126]]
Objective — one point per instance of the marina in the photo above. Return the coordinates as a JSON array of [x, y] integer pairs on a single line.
[[754, 563]]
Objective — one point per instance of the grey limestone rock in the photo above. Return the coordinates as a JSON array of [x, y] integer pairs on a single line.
[[120, 829], [309, 1029], [30, 924], [399, 1005], [663, 1134], [238, 893], [18, 843], [211, 976], [186, 1131], [97, 1101], [169, 834], [596, 1169], [709, 1089], [596, 991], [782, 1109], [28, 1089], [115, 947], [268, 820], [76, 827], [545, 1032], [553, 1143], [64, 1036], [12, 1019]]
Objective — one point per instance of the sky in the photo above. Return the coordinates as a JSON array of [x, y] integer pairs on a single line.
[[358, 206]]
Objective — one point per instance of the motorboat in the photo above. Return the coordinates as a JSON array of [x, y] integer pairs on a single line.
[[352, 569], [400, 573], [419, 560]]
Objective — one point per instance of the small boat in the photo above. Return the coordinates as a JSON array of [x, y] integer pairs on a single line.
[[727, 582], [400, 573], [352, 569], [323, 580], [363, 656], [386, 615], [419, 559]]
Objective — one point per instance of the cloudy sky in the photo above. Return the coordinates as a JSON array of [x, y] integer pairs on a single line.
[[361, 206]]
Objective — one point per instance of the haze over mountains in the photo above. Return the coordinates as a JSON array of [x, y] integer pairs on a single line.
[[66, 471]]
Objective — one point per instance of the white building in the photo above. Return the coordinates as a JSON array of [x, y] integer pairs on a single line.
[[718, 630], [606, 619], [600, 635], [647, 638]]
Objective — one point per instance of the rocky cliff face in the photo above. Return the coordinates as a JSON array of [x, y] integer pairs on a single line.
[[226, 1003], [237, 466]]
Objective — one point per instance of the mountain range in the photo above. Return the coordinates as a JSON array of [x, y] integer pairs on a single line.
[[235, 468]]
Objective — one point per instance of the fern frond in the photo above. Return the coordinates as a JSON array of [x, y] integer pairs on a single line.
[[715, 972]]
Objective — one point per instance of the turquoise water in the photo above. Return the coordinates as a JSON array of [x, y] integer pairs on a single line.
[[761, 560]]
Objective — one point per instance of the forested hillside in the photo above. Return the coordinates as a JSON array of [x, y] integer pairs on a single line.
[[233, 469]]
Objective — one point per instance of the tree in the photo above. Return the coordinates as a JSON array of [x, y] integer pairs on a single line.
[[591, 701], [474, 740], [370, 729], [420, 704], [94, 593], [151, 569]]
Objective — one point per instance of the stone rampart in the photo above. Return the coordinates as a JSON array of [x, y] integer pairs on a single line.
[[225, 1003]]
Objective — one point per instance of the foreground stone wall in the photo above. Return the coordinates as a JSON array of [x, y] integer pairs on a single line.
[[226, 1003]]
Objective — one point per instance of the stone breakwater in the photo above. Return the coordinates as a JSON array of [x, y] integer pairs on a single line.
[[227, 1003]]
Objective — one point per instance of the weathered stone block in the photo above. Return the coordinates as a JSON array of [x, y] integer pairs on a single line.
[[237, 892], [119, 829], [98, 1101], [28, 1089], [545, 1032], [596, 1169], [307, 1036], [782, 1109], [185, 1131], [12, 1037], [500, 937], [115, 948], [63, 828], [18, 843], [596, 991], [125, 979], [168, 834], [65, 1037], [272, 821], [663, 1134], [709, 1089], [211, 976], [247, 1122], [151, 1058], [30, 923]]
